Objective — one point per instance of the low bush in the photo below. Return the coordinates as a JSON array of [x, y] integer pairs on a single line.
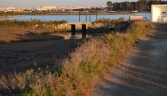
[[81, 71]]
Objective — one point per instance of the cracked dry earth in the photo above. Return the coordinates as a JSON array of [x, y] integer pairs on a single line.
[[143, 72]]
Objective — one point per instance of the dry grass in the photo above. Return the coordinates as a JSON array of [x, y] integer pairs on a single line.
[[34, 30], [22, 34], [29, 23], [109, 21], [81, 71]]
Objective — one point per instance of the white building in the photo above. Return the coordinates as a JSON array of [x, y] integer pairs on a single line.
[[46, 8], [159, 13]]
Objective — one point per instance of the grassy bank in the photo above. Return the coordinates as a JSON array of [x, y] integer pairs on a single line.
[[29, 23], [23, 34], [81, 71], [9, 14], [33, 30], [109, 21]]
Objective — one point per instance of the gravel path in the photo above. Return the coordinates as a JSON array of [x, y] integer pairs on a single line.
[[143, 72]]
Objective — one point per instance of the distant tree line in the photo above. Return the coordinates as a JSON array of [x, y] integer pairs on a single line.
[[140, 5]]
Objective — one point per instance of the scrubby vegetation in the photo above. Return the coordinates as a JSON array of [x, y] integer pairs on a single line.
[[29, 23], [106, 25], [30, 30], [80, 71], [109, 21]]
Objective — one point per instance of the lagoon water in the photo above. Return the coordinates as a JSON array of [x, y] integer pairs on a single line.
[[75, 18]]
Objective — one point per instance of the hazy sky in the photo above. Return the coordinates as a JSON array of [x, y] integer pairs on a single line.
[[36, 3]]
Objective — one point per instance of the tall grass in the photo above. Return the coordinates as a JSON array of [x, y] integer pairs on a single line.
[[81, 71]]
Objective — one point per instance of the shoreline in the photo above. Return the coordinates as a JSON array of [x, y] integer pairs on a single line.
[[77, 13], [8, 16]]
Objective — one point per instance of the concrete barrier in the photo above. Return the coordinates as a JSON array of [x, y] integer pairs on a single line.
[[136, 18], [78, 25]]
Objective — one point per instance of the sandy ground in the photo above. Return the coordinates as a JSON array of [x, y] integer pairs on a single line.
[[143, 72]]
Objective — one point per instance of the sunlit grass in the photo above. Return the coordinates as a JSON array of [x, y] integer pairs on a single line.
[[81, 70]]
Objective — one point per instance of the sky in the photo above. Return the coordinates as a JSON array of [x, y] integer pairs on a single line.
[[58, 3]]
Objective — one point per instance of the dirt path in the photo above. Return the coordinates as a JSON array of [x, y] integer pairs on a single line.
[[143, 72]]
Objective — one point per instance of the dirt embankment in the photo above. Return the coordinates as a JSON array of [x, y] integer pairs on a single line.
[[21, 56], [21, 34], [143, 72], [25, 48]]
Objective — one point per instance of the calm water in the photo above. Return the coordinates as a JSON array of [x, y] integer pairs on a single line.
[[75, 18], [68, 35]]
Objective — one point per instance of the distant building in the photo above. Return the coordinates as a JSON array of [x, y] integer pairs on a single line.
[[159, 13], [46, 8], [62, 8]]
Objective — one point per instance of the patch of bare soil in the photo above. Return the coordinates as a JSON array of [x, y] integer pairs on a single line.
[[143, 72]]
